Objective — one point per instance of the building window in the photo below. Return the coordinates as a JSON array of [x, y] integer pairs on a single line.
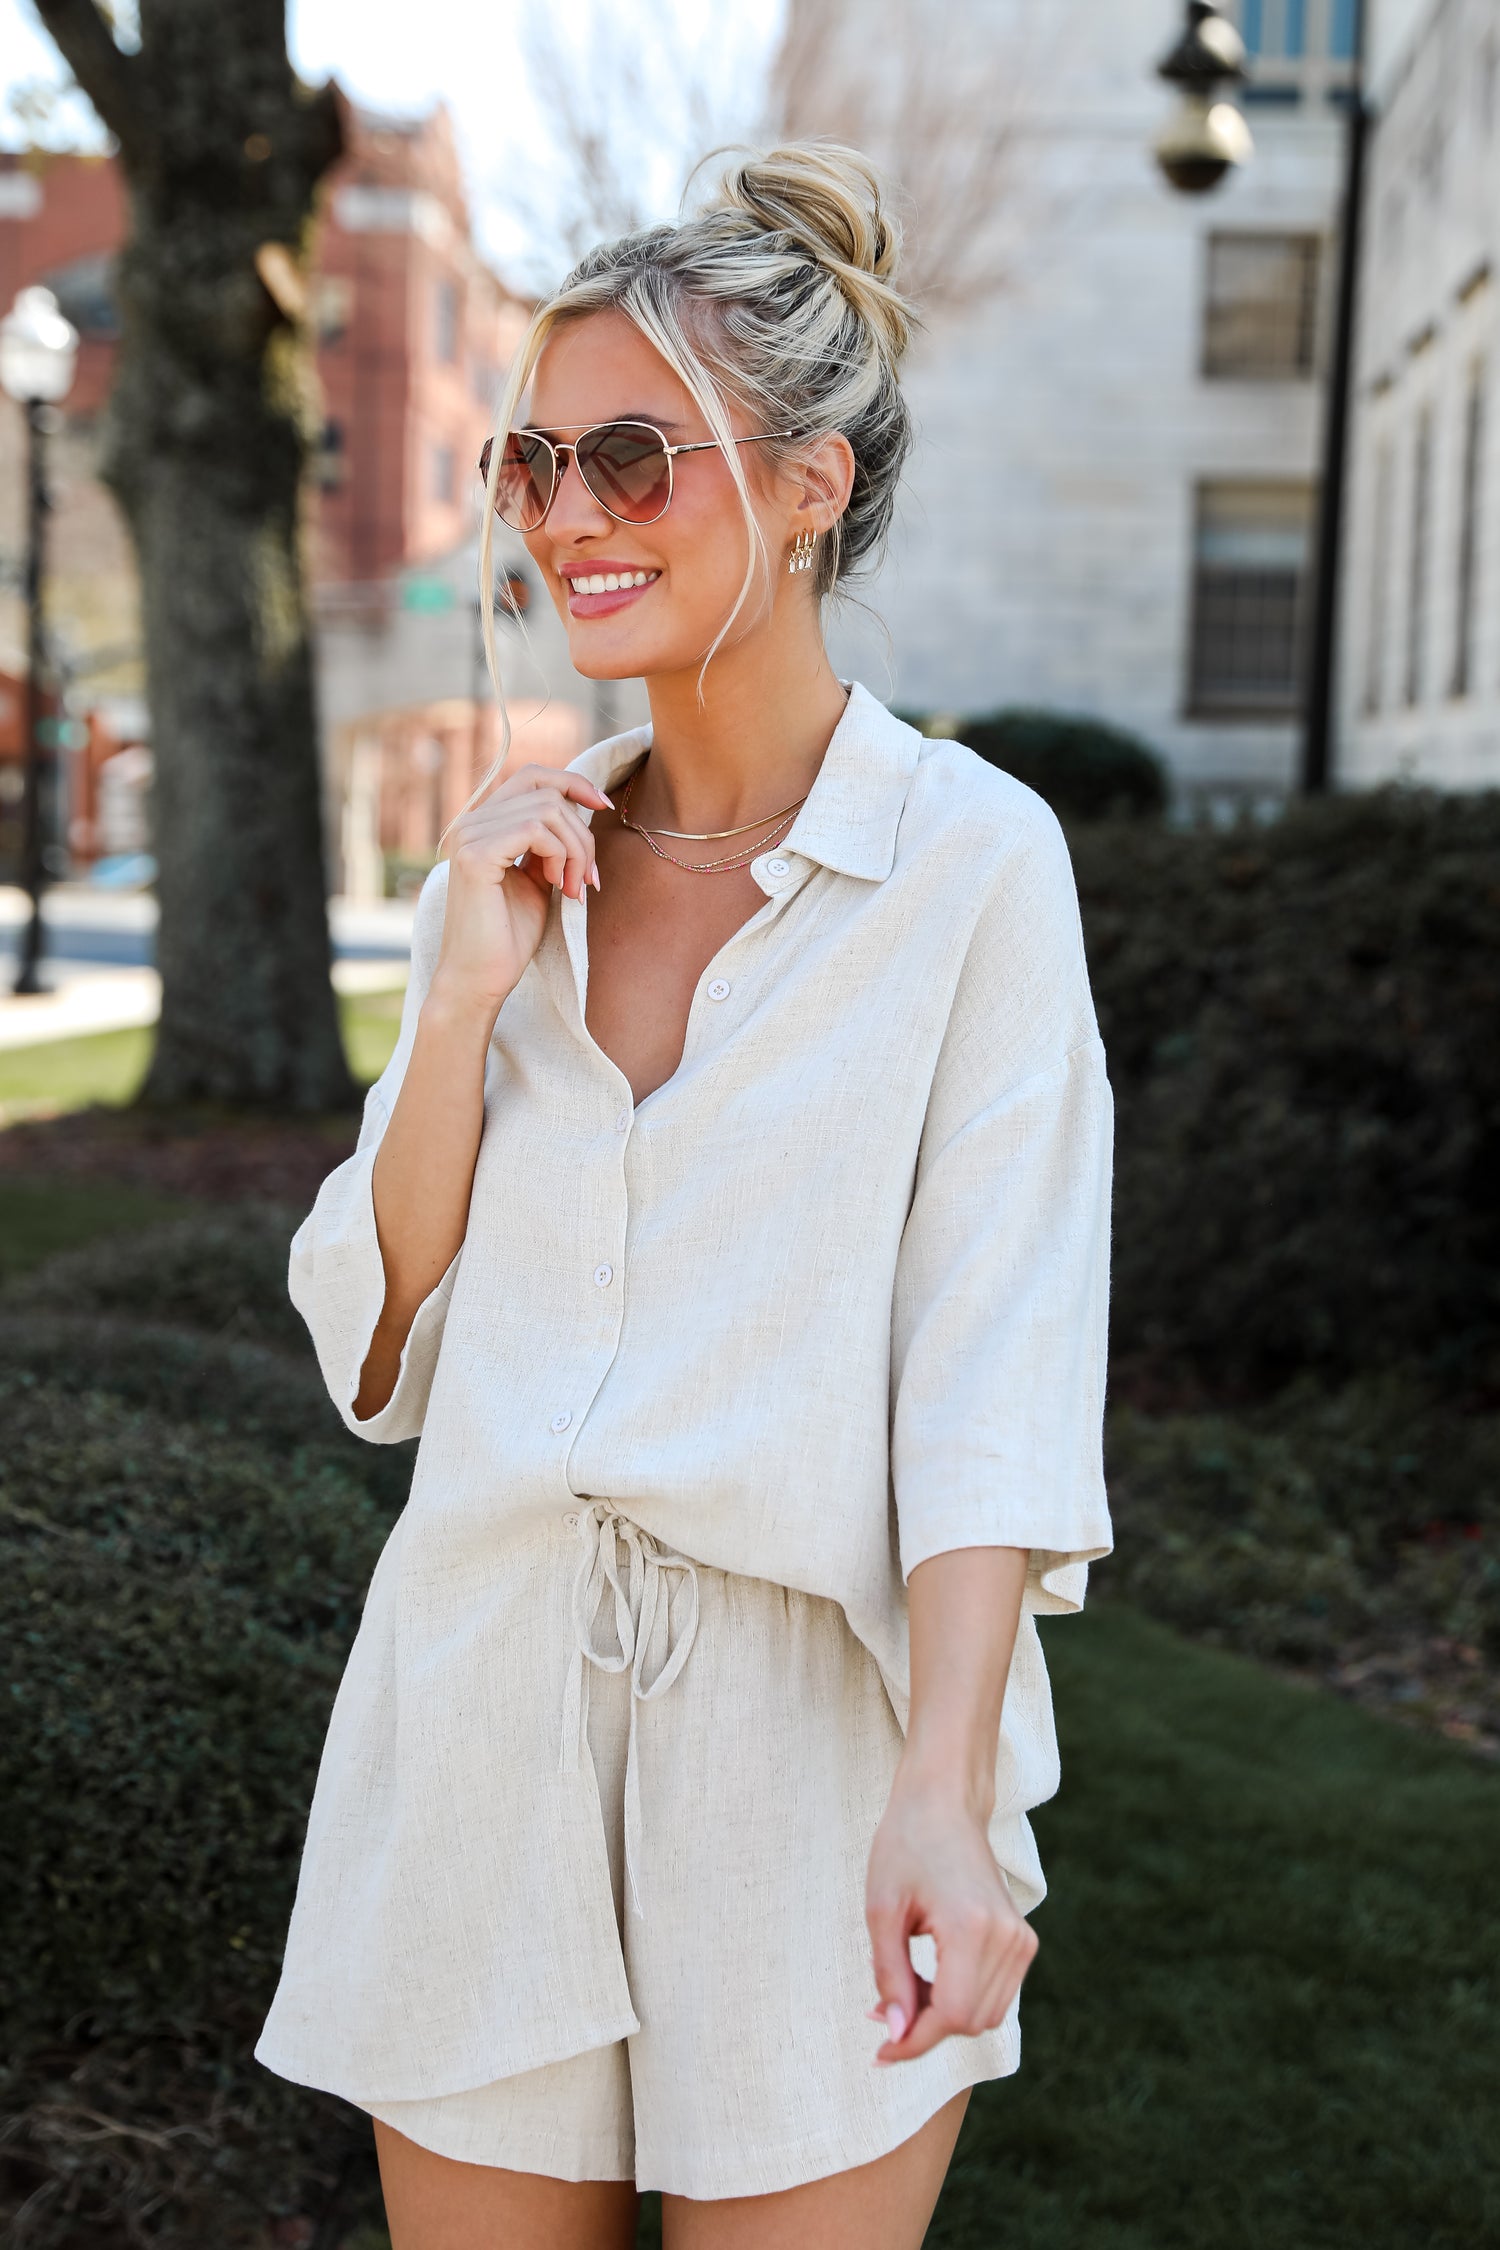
[[1298, 49], [446, 325], [1380, 566], [1249, 589], [1421, 528], [1260, 313], [1468, 531], [1274, 27], [1296, 28], [444, 475]]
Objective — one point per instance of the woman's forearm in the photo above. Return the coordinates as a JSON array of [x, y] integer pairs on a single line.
[[965, 1607], [931, 1867], [424, 1174]]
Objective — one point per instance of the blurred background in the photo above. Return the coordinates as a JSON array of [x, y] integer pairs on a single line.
[[1201, 538]]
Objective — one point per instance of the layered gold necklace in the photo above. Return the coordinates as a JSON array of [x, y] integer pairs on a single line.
[[771, 826]]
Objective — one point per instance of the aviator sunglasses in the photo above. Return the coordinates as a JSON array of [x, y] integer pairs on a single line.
[[625, 466]]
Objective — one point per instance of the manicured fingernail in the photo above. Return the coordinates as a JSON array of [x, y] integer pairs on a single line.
[[608, 800], [594, 877], [895, 2023]]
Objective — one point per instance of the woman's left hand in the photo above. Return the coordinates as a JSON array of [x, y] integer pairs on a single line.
[[931, 1870]]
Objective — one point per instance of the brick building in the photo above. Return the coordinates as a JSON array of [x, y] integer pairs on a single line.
[[413, 335]]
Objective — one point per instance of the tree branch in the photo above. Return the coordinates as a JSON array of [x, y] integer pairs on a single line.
[[108, 76]]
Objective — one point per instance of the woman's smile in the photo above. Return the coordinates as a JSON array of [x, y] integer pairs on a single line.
[[596, 588]]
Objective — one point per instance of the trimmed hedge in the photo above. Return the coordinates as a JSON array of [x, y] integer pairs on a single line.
[[1301, 1024], [176, 1604], [223, 1276], [1297, 1530], [186, 1534], [1084, 768], [246, 1392]]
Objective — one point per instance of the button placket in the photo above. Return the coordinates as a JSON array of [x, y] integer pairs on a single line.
[[719, 988]]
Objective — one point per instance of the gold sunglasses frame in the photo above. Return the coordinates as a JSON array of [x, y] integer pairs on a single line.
[[698, 445]]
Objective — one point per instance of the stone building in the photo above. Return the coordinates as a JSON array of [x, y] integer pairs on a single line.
[[1110, 507], [1420, 680]]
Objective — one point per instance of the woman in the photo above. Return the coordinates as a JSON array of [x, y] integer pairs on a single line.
[[731, 1223]]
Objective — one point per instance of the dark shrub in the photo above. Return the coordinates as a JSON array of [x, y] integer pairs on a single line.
[[176, 1604], [1301, 1023], [177, 1608], [224, 1275], [1085, 769], [1292, 1530], [244, 1391]]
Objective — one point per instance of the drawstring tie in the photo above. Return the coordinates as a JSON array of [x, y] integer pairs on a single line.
[[643, 1603]]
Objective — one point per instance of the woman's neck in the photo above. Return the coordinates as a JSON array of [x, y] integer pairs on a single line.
[[755, 740]]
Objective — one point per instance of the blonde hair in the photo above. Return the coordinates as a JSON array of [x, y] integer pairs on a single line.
[[778, 296]]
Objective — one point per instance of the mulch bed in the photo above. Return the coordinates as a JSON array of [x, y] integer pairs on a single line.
[[212, 1155]]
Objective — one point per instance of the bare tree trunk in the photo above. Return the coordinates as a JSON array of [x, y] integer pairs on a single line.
[[207, 436]]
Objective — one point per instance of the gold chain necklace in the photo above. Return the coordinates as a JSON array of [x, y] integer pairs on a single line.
[[771, 823]]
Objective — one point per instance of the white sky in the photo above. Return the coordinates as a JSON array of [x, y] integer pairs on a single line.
[[403, 55]]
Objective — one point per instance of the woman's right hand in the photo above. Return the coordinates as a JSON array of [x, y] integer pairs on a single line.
[[496, 911]]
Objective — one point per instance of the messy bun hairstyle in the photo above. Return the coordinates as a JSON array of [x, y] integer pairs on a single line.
[[779, 296]]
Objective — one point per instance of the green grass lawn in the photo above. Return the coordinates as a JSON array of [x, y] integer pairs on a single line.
[[59, 1074], [108, 1066], [1264, 2013]]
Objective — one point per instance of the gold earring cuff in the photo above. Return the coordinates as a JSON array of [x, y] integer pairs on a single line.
[[801, 556]]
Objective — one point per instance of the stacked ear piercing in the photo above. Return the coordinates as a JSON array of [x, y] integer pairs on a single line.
[[801, 557]]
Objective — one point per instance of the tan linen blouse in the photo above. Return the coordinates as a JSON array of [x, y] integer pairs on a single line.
[[829, 1301]]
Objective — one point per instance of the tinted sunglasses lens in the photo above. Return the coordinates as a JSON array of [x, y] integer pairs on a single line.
[[627, 468], [523, 488]]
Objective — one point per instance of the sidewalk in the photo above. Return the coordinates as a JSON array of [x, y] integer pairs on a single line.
[[99, 944]]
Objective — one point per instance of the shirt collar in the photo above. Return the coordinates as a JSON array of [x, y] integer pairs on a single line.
[[854, 807]]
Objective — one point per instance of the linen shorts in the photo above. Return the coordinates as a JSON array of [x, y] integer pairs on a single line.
[[759, 1774]]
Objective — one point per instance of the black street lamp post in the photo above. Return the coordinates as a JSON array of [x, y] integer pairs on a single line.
[[38, 353], [1318, 709]]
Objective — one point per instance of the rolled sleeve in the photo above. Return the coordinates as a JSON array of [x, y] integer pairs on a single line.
[[1000, 1308], [336, 1276]]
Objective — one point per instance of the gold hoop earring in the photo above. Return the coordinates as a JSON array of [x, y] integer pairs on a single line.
[[801, 556]]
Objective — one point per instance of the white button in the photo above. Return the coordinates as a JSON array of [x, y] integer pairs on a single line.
[[778, 867], [571, 1519], [622, 1122], [719, 989], [603, 1275], [561, 1421]]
